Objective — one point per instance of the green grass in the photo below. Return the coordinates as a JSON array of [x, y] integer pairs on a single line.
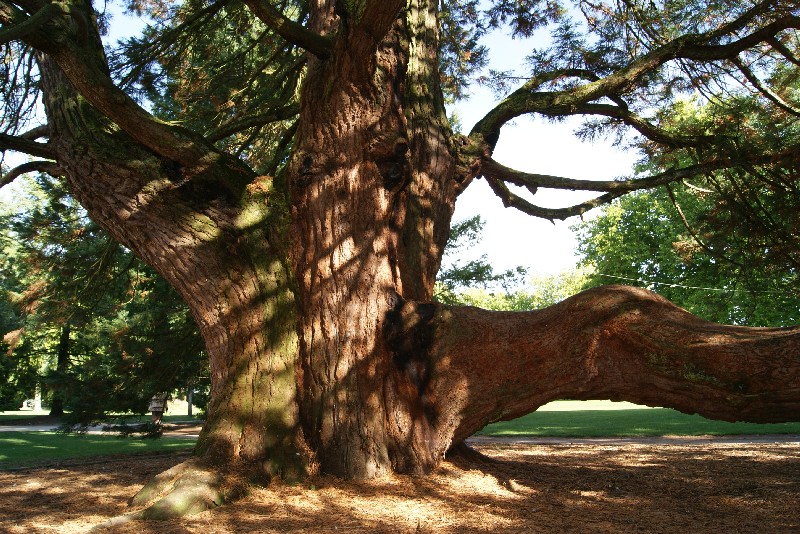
[[19, 449], [577, 419]]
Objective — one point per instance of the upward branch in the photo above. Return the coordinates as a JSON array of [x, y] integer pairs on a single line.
[[527, 100], [73, 43]]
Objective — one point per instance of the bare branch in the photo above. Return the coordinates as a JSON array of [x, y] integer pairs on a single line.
[[21, 144], [498, 171], [36, 133], [511, 200], [238, 124], [290, 30], [497, 174], [50, 167]]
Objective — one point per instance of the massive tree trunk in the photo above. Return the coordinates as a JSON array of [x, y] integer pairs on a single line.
[[371, 194], [312, 290]]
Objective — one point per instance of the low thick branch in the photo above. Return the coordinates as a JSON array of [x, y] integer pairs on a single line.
[[21, 144], [290, 30], [50, 167], [611, 342]]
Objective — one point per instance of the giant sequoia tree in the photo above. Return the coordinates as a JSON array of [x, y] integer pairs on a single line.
[[290, 169]]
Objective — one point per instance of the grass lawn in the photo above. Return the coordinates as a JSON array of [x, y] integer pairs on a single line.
[[30, 417], [621, 419], [19, 449]]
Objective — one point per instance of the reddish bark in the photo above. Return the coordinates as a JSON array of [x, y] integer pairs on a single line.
[[611, 342]]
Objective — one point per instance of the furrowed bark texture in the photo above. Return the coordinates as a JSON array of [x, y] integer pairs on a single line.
[[612, 342], [371, 196]]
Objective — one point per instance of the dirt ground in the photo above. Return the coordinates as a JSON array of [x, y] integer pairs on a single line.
[[694, 485]]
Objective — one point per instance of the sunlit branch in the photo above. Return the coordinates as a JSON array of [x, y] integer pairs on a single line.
[[290, 30], [640, 124], [20, 144], [689, 47], [50, 167]]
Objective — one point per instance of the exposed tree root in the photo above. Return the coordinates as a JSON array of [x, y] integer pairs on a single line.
[[188, 488], [461, 453]]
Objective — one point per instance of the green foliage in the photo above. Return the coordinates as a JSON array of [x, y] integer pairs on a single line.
[[475, 283], [642, 240], [457, 275], [540, 292]]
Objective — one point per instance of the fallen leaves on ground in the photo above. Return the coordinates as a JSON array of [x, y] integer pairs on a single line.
[[700, 485]]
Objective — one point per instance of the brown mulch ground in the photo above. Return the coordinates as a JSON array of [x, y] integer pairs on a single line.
[[598, 486]]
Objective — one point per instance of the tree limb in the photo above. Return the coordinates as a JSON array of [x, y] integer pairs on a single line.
[[290, 30], [25, 26], [510, 200], [83, 62], [36, 133], [50, 167], [638, 123], [21, 144], [766, 91], [497, 173], [688, 47]]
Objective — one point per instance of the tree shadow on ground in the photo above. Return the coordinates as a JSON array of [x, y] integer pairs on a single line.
[[700, 487]]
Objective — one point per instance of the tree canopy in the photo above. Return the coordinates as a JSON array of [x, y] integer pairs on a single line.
[[232, 76]]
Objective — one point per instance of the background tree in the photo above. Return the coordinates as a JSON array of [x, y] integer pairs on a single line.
[[298, 196], [94, 325], [642, 239]]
